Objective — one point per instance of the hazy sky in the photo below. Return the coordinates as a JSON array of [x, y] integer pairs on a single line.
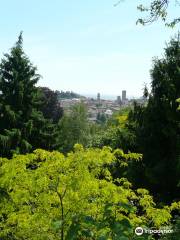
[[87, 46]]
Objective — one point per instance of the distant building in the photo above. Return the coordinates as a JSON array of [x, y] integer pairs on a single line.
[[123, 96], [119, 100], [98, 97]]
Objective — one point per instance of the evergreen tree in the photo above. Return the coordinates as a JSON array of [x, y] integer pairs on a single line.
[[157, 126], [21, 122]]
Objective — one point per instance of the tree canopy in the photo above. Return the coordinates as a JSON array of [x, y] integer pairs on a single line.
[[45, 195], [50, 107], [157, 9], [73, 128]]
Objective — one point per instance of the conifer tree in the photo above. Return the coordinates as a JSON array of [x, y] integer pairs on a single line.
[[157, 126], [21, 123]]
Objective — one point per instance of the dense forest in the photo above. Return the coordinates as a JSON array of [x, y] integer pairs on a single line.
[[62, 177]]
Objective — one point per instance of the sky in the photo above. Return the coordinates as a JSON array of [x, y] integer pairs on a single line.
[[86, 46]]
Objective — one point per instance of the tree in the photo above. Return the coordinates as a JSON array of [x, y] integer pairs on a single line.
[[45, 195], [50, 107], [157, 9], [74, 128], [114, 133], [158, 125], [22, 125], [101, 118]]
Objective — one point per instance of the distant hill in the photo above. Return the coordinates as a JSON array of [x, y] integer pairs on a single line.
[[68, 95]]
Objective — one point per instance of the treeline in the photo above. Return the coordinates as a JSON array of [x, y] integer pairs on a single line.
[[67, 95], [31, 116], [97, 190]]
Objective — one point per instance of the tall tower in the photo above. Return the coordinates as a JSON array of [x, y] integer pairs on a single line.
[[123, 95], [98, 97]]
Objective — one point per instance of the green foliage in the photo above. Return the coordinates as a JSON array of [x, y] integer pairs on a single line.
[[50, 107], [119, 119], [178, 101], [22, 125], [73, 128], [115, 137], [67, 95], [176, 233], [156, 9], [157, 126], [101, 118], [45, 195], [114, 133]]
